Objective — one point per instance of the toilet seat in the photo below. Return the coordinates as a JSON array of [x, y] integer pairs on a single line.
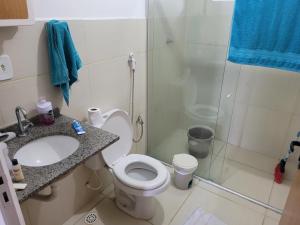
[[143, 166]]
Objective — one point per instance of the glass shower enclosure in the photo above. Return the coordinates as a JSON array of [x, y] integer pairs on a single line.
[[232, 118], [190, 84]]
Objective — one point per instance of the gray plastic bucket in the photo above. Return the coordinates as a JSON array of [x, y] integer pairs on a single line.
[[199, 140]]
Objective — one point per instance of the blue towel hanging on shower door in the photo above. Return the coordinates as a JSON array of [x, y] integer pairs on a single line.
[[266, 33]]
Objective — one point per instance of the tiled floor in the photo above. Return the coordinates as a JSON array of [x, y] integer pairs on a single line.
[[244, 171], [175, 206], [251, 174]]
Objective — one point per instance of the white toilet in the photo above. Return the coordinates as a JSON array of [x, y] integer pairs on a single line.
[[137, 178]]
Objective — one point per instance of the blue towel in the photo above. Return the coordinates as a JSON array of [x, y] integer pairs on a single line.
[[64, 59], [266, 33]]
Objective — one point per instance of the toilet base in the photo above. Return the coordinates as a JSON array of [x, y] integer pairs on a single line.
[[140, 207]]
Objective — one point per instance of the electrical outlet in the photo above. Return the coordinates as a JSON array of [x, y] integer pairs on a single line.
[[6, 70]]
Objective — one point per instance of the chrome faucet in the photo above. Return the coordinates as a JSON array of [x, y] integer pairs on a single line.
[[22, 125]]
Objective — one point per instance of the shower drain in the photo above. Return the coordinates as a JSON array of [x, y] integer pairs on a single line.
[[90, 218]]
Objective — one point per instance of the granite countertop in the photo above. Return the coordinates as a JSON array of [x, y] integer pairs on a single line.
[[92, 142]]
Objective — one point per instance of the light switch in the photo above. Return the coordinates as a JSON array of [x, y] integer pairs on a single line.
[[6, 70]]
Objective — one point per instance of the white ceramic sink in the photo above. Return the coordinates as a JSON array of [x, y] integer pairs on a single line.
[[46, 151]]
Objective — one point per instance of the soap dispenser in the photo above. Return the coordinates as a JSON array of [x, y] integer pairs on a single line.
[[45, 111]]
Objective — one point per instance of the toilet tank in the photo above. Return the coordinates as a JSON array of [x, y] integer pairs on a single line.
[[117, 122]]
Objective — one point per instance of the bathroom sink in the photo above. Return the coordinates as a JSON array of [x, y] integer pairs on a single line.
[[47, 150]]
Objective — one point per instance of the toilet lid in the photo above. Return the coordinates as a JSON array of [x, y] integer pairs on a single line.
[[118, 123]]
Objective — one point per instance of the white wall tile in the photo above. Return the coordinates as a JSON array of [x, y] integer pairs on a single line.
[[229, 88], [110, 84], [274, 89], [78, 32], [245, 86], [211, 30], [80, 97], [195, 7], [21, 92], [200, 54], [46, 89], [272, 96], [140, 99], [297, 105], [108, 39], [141, 82], [237, 123], [220, 8], [26, 46], [206, 64], [25, 93], [163, 9], [265, 130]]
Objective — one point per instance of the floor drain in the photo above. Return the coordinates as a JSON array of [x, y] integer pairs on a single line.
[[90, 218]]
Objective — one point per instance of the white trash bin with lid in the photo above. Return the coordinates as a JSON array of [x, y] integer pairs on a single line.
[[184, 167]]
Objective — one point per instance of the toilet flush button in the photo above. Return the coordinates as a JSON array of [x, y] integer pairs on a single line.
[[6, 70]]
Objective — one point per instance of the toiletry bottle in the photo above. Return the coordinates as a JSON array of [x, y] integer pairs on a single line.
[[45, 111], [17, 170], [77, 127]]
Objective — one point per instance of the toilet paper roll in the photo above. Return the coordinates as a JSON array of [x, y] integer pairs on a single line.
[[95, 117]]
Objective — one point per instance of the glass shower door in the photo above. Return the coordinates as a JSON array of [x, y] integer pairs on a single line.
[[187, 61]]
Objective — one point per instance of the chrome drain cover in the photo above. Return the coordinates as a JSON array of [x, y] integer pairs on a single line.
[[90, 218]]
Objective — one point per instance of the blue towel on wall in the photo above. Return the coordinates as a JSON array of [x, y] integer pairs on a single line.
[[266, 33], [64, 59]]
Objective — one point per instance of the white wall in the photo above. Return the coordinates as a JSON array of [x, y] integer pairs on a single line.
[[104, 81], [79, 9]]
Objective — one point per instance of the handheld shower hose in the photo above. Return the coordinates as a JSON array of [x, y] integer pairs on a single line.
[[139, 121]]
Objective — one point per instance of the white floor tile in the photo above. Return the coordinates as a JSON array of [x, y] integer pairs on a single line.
[[107, 193], [108, 214], [226, 210], [270, 221], [231, 197], [169, 203], [248, 181], [82, 212], [273, 215], [279, 194]]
